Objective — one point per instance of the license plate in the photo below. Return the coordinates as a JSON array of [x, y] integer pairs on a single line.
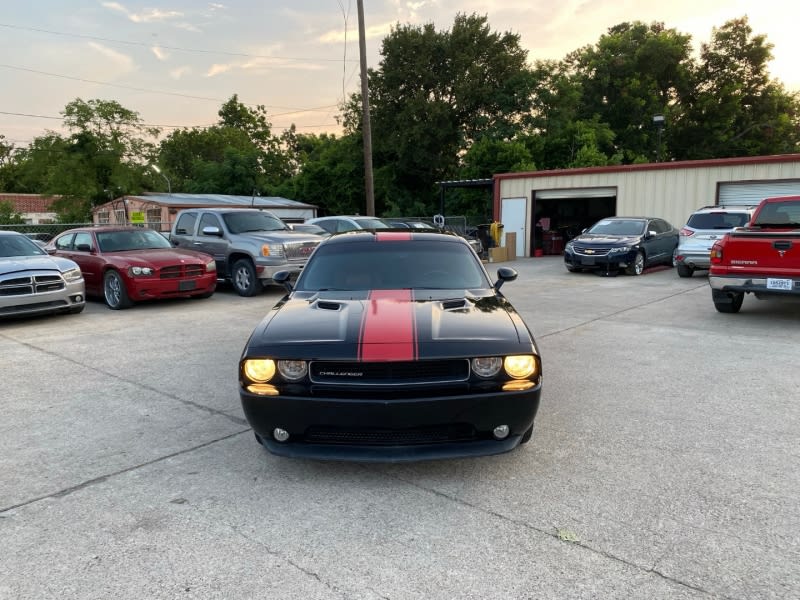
[[779, 284], [587, 260], [187, 285]]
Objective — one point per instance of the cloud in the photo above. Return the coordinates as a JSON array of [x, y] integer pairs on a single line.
[[337, 36], [189, 27], [148, 16], [262, 64], [159, 53], [122, 62], [180, 72]]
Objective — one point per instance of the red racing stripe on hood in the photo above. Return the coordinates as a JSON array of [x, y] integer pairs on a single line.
[[388, 327]]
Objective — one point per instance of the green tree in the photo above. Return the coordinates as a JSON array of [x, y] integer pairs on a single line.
[[434, 94], [735, 108], [633, 72], [7, 214]]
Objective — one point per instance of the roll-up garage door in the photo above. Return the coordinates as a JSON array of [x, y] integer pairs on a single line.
[[597, 192], [753, 192]]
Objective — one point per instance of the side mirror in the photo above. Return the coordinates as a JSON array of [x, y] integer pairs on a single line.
[[215, 231], [282, 278], [650, 234], [504, 274], [83, 248]]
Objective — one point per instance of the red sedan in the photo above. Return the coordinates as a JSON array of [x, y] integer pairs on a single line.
[[125, 265]]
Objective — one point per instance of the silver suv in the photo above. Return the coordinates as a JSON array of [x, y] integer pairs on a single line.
[[704, 227]]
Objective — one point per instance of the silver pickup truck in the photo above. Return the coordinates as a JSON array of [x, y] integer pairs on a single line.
[[249, 245]]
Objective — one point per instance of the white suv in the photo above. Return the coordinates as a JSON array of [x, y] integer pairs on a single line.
[[704, 227]]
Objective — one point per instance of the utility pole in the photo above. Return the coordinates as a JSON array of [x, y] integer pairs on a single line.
[[366, 126]]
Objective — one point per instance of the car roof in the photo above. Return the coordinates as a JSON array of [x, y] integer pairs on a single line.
[[5, 232], [728, 208], [395, 235]]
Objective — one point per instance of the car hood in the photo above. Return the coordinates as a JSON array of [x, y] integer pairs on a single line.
[[158, 257], [391, 325], [607, 240], [16, 264]]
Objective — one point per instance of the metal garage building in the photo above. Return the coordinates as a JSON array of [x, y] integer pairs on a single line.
[[560, 203]]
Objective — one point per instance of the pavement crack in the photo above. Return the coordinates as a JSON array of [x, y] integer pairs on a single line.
[[554, 535], [149, 388], [619, 312], [102, 478]]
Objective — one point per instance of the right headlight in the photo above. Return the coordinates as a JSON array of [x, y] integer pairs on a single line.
[[73, 275], [259, 370]]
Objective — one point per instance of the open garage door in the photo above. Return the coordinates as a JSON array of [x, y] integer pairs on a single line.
[[753, 192], [559, 215]]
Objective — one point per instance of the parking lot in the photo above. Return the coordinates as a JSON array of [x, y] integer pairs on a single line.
[[663, 462]]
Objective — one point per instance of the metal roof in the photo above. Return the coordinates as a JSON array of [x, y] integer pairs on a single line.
[[200, 200]]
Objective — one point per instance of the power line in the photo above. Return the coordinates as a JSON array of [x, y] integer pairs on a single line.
[[176, 48], [151, 91]]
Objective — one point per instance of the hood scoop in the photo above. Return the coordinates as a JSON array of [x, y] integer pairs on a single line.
[[326, 305], [459, 303]]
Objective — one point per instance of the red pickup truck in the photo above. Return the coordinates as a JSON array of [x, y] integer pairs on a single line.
[[762, 258]]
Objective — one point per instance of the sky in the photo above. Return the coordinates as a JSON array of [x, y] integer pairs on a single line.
[[175, 62]]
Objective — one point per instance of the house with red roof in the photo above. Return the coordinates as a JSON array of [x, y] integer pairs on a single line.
[[35, 209]]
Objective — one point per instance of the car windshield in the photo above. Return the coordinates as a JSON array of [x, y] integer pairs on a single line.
[[18, 245], [779, 214], [252, 220], [138, 239], [718, 220], [390, 265], [618, 227]]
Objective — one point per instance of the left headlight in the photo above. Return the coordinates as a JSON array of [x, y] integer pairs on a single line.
[[486, 366], [140, 271], [73, 275], [273, 250], [259, 370], [522, 366], [211, 266]]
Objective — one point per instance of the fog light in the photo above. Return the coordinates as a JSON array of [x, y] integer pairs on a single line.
[[280, 435], [78, 298], [501, 432]]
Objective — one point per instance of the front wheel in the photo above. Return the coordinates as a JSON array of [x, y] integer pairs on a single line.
[[727, 302], [244, 278], [637, 266], [114, 292]]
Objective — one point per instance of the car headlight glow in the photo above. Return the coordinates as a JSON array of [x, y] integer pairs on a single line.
[[620, 250], [73, 275], [521, 366], [292, 370], [486, 366], [211, 266], [140, 271], [259, 370]]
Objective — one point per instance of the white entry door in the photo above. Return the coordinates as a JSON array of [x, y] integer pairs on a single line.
[[513, 216]]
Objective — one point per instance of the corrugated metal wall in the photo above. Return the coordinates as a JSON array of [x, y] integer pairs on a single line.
[[670, 192]]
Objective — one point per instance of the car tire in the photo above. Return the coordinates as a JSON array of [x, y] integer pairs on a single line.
[[684, 270], [243, 278], [526, 437], [637, 266], [114, 292], [727, 302]]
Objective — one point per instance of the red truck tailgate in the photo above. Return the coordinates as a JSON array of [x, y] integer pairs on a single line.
[[770, 252]]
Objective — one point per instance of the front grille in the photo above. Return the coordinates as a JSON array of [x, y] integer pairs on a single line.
[[593, 250], [424, 372], [299, 250], [439, 434], [31, 284], [181, 271]]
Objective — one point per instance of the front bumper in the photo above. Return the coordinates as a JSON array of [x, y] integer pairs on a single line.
[[267, 271], [142, 288], [616, 260], [71, 298], [753, 284], [391, 430]]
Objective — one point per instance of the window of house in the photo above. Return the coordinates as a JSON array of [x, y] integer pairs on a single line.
[[119, 216], [103, 218]]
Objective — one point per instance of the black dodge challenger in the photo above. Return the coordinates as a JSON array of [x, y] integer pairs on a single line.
[[391, 346]]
